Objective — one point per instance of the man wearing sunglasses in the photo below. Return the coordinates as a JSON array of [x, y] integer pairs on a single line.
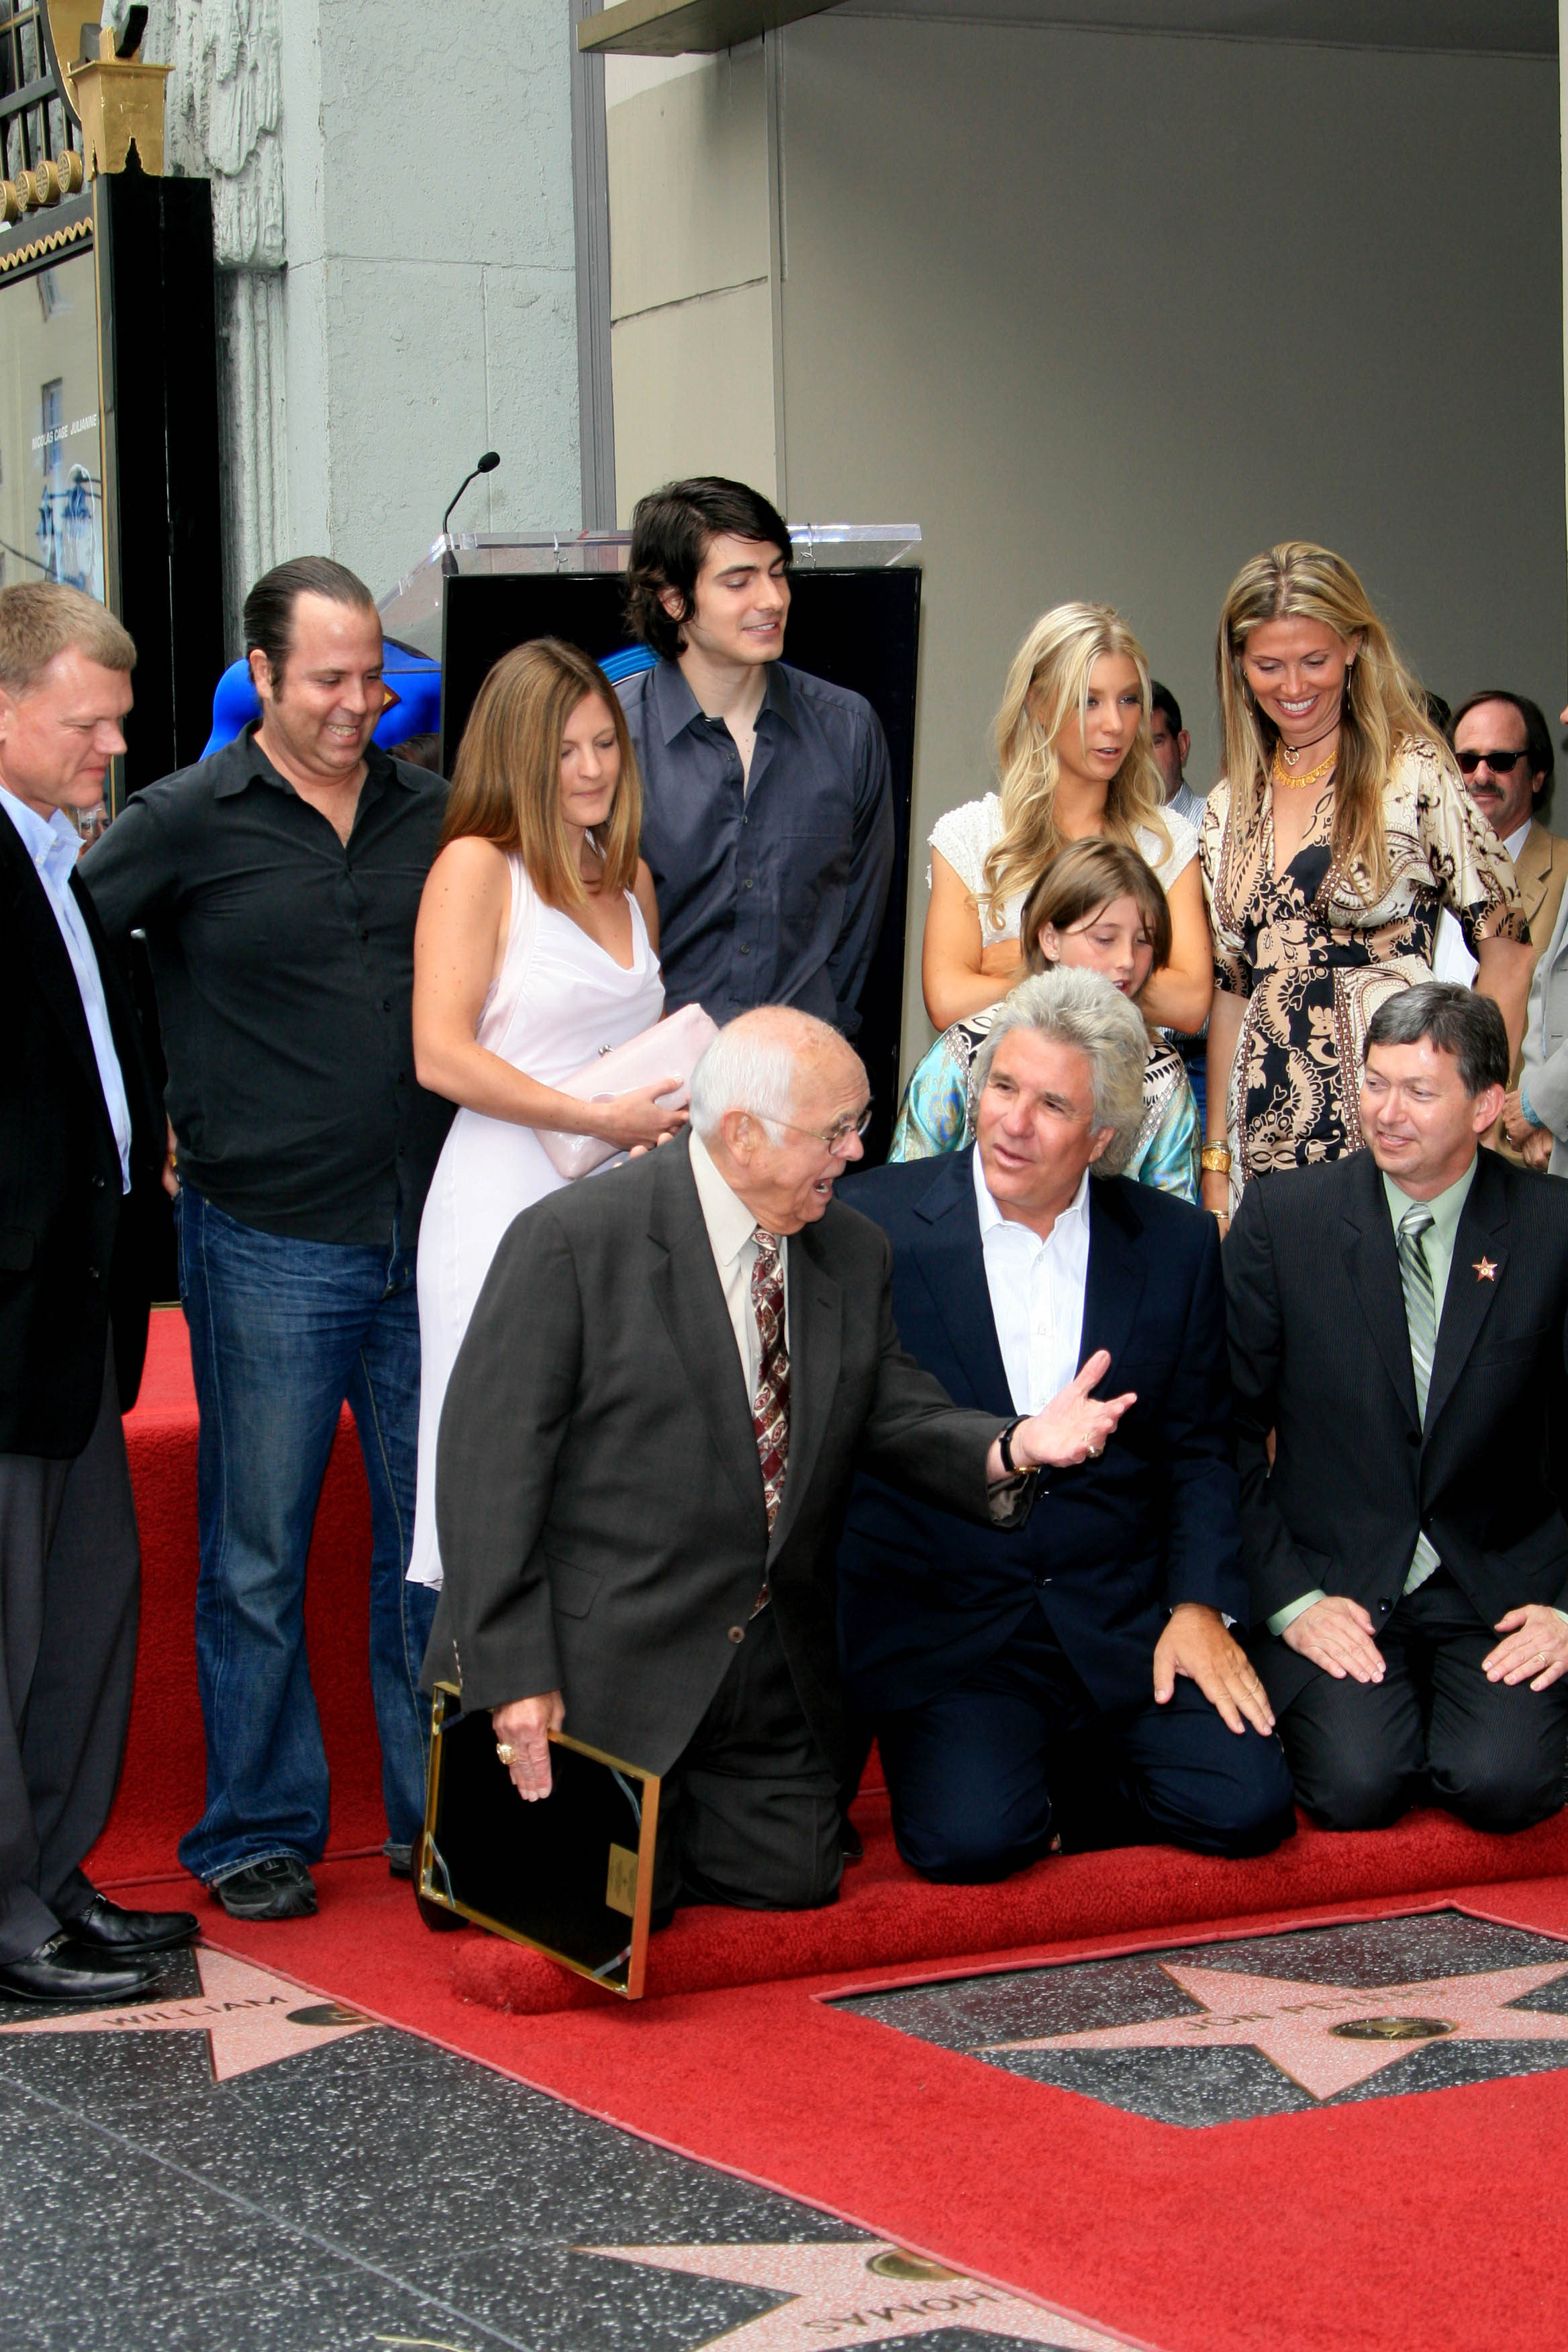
[[1503, 746]]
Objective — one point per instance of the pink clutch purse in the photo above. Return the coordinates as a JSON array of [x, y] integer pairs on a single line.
[[670, 1049]]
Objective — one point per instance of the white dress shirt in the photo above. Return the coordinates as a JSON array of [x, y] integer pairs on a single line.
[[1036, 1294], [54, 845], [732, 1234]]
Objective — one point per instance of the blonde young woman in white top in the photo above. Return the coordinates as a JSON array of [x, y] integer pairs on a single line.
[[1074, 760]]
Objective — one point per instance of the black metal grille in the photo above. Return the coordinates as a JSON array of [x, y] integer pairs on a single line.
[[34, 124]]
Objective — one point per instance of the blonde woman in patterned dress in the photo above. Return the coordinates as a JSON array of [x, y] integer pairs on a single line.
[[1338, 833], [1074, 762]]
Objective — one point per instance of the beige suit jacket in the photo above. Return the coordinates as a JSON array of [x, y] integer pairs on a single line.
[[1541, 869]]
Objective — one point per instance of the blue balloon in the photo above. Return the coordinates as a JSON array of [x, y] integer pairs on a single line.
[[414, 677]]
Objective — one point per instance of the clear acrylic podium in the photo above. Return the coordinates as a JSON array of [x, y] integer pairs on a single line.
[[413, 610]]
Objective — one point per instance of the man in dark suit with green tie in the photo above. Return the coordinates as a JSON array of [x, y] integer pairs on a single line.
[[1397, 1321]]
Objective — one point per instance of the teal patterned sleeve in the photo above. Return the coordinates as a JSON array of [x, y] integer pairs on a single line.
[[934, 1114], [1170, 1163]]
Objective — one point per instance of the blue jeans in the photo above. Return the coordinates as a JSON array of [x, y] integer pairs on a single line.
[[281, 1333]]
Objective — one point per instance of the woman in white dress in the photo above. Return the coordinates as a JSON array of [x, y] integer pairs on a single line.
[[534, 951], [1074, 759]]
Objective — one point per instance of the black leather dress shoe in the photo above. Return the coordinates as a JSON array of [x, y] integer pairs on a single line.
[[103, 1928], [280, 1887], [59, 1971]]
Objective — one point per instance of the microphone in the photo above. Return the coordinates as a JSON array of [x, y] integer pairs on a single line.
[[486, 465]]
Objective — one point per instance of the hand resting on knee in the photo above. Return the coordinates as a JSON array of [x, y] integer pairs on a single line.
[[1196, 1642], [1536, 1649], [1336, 1634]]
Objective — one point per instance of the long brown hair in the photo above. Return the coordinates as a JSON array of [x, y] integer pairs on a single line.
[[1087, 877], [1383, 712], [1047, 681], [506, 782]]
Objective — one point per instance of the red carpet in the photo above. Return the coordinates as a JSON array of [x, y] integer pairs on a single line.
[[161, 1787], [887, 1914], [1438, 2221]]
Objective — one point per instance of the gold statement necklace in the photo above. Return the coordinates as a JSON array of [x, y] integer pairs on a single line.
[[1280, 774]]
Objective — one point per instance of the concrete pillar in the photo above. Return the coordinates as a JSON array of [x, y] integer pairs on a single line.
[[393, 187]]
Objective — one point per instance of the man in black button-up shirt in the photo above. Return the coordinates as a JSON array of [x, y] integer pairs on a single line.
[[278, 884], [767, 797]]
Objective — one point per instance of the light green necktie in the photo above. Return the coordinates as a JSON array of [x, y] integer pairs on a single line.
[[1421, 1317]]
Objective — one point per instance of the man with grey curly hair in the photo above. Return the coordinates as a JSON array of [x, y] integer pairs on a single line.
[[991, 1660], [1083, 1013]]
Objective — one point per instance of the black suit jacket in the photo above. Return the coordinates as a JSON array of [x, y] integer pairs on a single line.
[[599, 1497], [1320, 1354], [1111, 1546], [73, 1250]]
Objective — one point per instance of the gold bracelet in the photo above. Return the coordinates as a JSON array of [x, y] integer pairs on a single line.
[[1214, 1159]]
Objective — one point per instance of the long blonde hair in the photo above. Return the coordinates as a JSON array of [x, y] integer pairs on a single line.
[[1383, 713], [1049, 678], [506, 780]]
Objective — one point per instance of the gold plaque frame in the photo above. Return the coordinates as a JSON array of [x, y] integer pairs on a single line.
[[628, 1873]]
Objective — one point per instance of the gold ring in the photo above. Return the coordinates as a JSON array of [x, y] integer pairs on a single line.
[[507, 1754]]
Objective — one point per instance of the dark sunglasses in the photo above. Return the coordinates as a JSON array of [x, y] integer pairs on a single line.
[[1501, 764]]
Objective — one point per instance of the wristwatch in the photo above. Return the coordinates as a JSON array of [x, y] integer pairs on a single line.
[[1004, 1441]]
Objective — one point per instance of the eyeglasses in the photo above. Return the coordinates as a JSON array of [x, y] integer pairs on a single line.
[[1501, 764], [835, 1137]]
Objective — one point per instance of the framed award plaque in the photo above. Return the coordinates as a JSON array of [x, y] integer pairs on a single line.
[[571, 1876]]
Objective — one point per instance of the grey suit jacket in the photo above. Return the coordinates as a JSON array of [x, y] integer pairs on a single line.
[[599, 1498]]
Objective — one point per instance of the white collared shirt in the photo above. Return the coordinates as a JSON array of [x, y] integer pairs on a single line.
[[54, 845], [1036, 1293], [732, 1234]]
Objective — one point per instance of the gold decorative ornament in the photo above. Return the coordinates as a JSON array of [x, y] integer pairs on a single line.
[[119, 104], [30, 191], [1214, 1159]]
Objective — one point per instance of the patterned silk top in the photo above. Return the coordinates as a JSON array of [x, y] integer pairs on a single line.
[[1314, 960]]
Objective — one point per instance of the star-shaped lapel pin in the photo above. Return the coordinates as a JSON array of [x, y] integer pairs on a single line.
[[250, 2017], [1485, 1270], [863, 2291], [1330, 2038]]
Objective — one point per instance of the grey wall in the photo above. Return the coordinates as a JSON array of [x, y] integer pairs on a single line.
[[690, 293], [1106, 314]]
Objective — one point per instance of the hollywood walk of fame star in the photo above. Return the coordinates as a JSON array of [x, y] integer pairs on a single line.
[[1329, 2038], [250, 2017], [862, 2292], [1485, 1270]]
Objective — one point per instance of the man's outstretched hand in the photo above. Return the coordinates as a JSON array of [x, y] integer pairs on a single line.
[[1196, 1643], [523, 1726], [1073, 1427]]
